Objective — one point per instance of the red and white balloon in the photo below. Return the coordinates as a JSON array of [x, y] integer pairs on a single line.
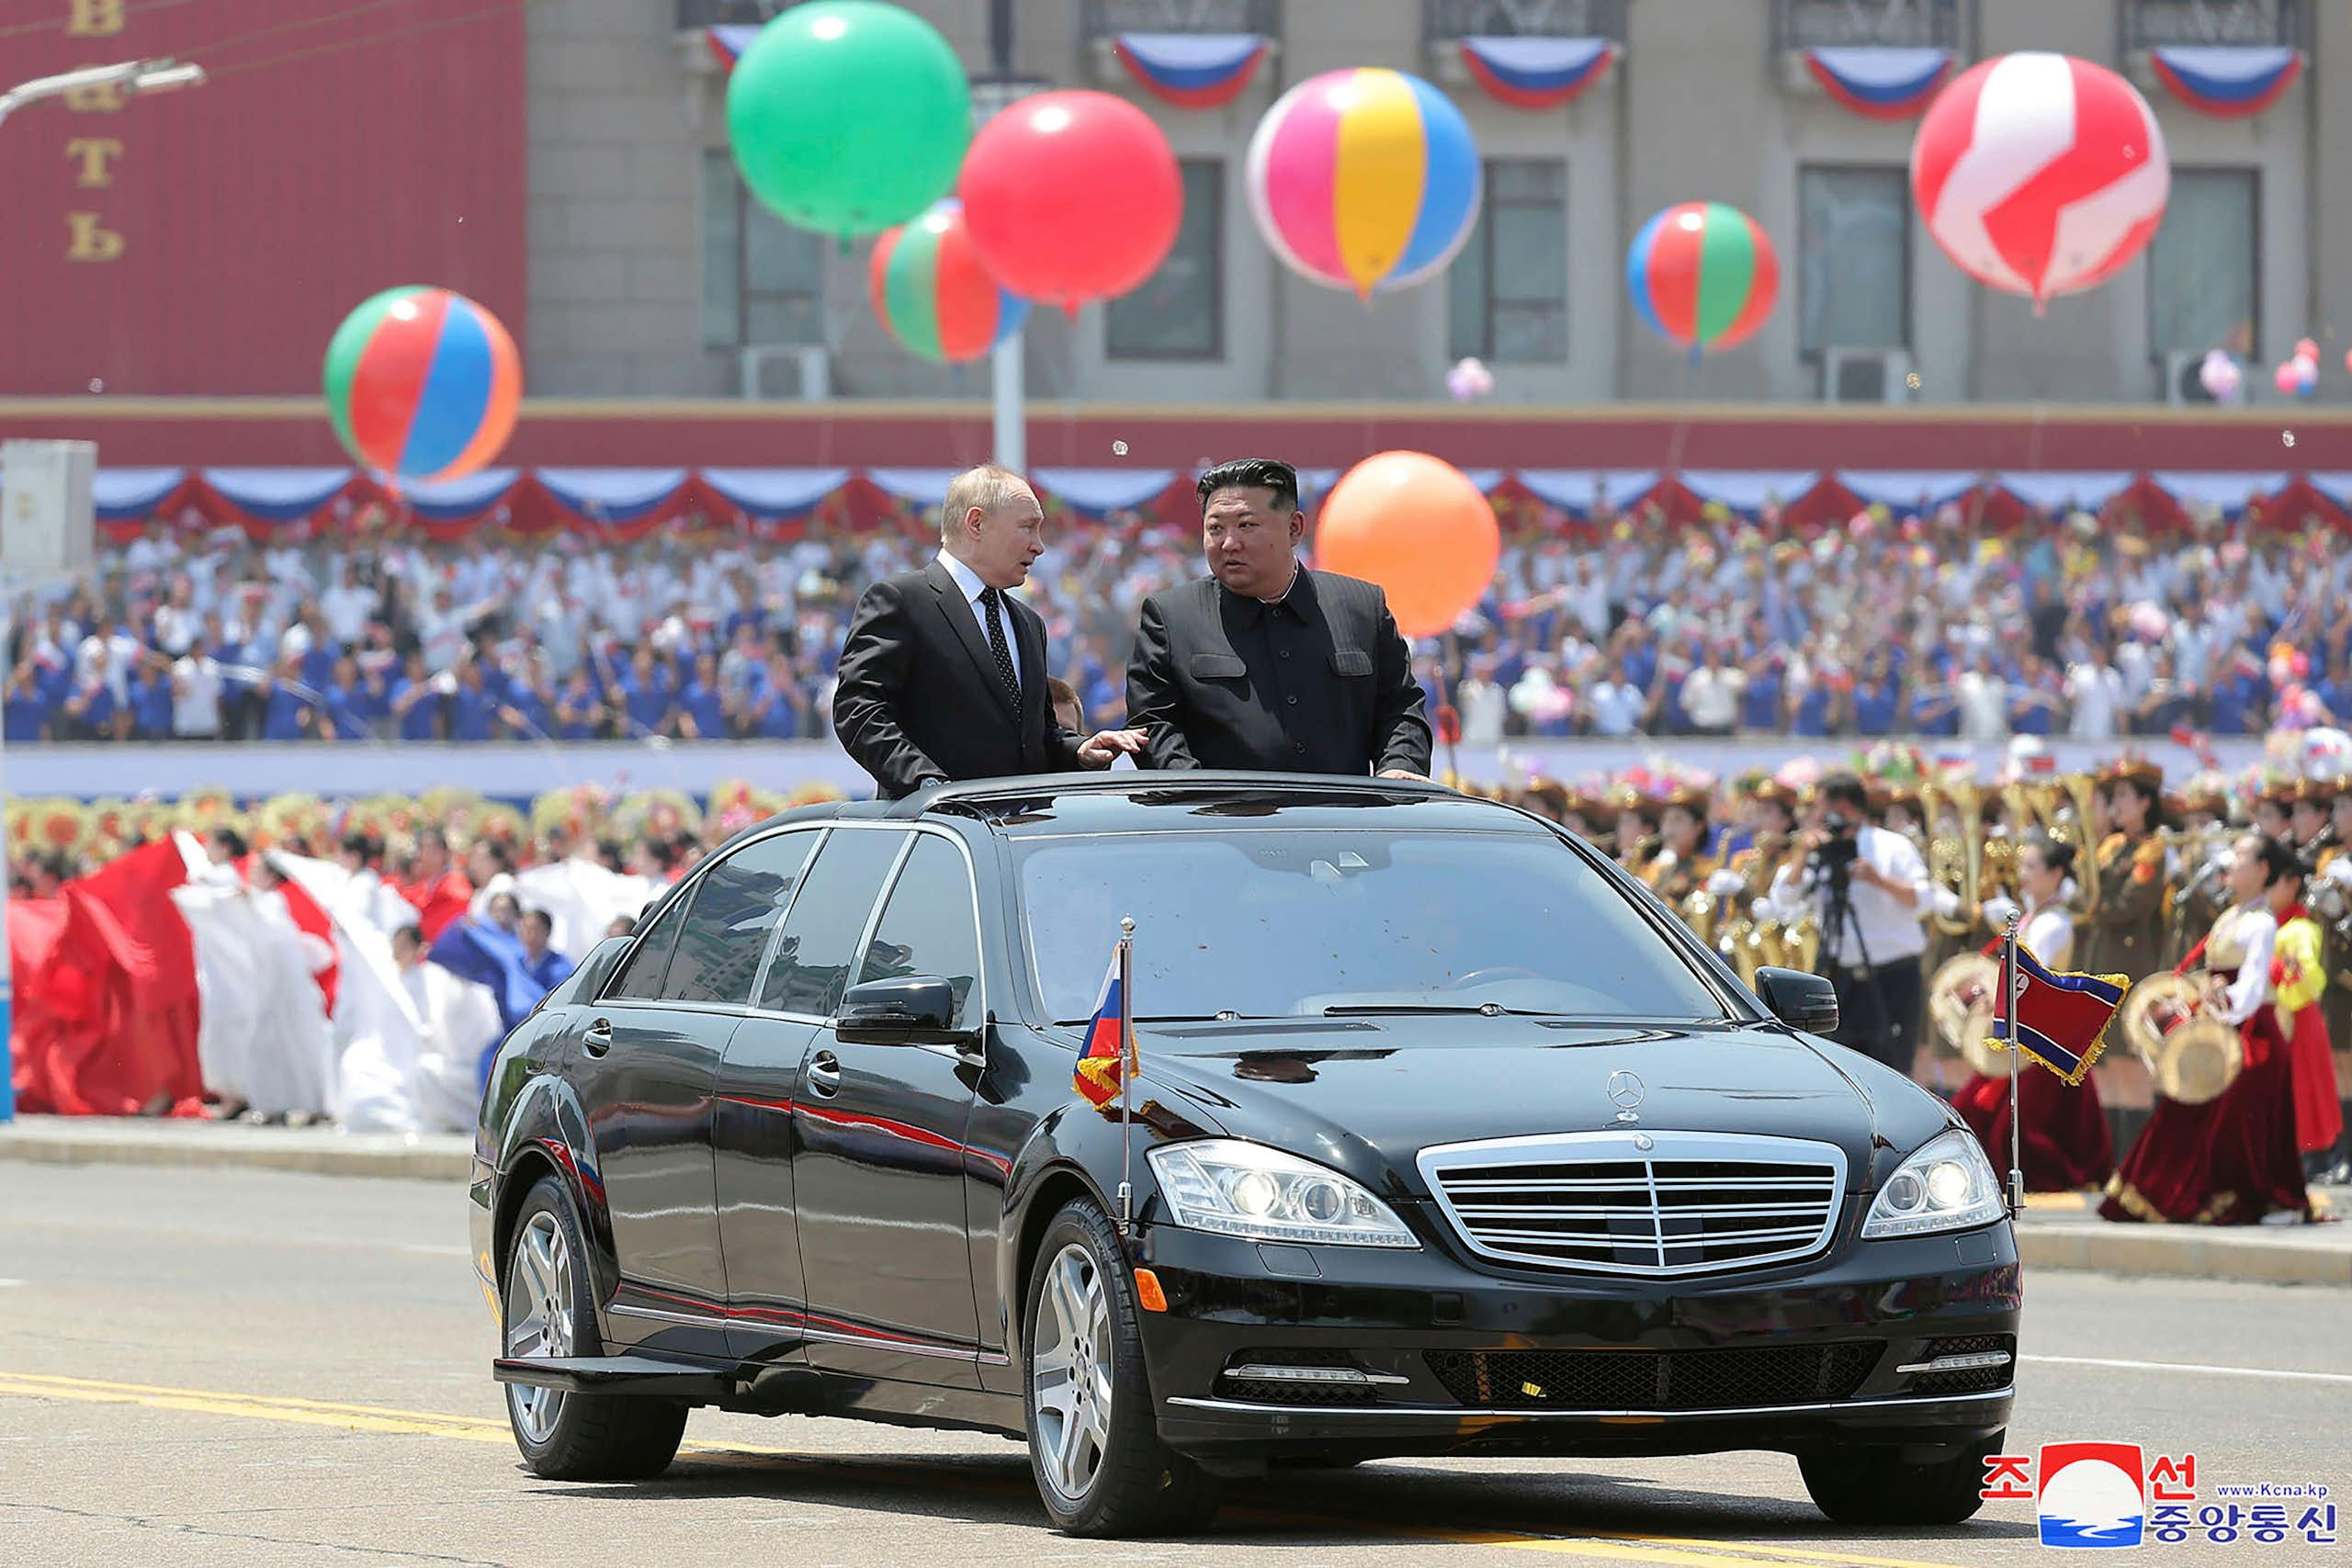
[[2041, 173]]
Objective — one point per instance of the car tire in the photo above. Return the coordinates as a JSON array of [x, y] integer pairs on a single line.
[[568, 1435], [1100, 1472], [1875, 1486]]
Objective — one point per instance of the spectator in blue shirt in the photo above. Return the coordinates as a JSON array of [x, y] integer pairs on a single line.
[[702, 709], [528, 712], [151, 700], [579, 711], [28, 706], [288, 711], [775, 711], [416, 702], [642, 696], [341, 704], [471, 704]]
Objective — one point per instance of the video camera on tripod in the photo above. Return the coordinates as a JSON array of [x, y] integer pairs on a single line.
[[1833, 859]]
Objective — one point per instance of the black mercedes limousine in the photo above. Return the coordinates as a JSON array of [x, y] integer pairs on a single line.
[[1448, 1139]]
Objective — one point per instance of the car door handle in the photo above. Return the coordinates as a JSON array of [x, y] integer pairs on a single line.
[[824, 1074], [599, 1038]]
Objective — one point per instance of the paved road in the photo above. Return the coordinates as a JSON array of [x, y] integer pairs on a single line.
[[224, 1367]]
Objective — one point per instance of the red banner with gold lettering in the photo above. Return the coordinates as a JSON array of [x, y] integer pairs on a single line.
[[210, 240]]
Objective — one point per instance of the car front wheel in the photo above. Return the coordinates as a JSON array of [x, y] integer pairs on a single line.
[[1094, 1446], [1876, 1486], [551, 1312]]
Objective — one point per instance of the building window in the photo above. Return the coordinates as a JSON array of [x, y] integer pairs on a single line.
[[1854, 252], [1179, 312], [1510, 285], [763, 280], [2203, 263]]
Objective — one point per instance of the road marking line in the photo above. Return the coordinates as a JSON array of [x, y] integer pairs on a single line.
[[2197, 1367], [1673, 1551]]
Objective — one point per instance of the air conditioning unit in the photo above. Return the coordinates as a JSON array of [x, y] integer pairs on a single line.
[[2183, 377], [1865, 375], [813, 361]]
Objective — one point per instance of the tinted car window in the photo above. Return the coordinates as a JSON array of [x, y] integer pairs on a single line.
[[736, 905], [1275, 923], [640, 977], [927, 927], [812, 961]]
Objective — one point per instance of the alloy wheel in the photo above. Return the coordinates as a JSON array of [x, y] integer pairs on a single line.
[[1070, 1374], [539, 1319]]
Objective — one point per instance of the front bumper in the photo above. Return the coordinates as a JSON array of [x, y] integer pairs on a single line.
[[1872, 1309]]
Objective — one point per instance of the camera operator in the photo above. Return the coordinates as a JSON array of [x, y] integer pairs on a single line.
[[1869, 889]]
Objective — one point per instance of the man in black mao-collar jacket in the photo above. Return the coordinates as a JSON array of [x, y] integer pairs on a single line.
[[1266, 664], [942, 674]]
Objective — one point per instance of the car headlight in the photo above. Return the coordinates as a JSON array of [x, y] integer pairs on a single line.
[[1248, 1190], [1946, 1185]]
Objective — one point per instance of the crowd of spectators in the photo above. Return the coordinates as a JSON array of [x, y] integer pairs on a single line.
[[1941, 626]]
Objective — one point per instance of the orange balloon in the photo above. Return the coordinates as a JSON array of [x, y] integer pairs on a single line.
[[1416, 526]]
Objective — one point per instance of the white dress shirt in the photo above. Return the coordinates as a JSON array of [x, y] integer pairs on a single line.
[[1887, 929], [969, 582]]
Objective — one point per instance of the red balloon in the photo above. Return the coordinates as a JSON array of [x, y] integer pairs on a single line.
[[1071, 197]]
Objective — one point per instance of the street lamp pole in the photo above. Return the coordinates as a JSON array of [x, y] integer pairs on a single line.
[[1007, 371], [129, 78]]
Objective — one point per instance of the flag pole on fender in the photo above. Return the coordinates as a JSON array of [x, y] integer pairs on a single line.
[[2010, 1034], [1127, 1073]]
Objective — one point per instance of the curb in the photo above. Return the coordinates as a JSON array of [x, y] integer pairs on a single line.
[[440, 1159], [2185, 1252]]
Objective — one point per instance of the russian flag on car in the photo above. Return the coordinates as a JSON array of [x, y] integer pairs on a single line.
[[1103, 1061], [1884, 84], [2231, 82]]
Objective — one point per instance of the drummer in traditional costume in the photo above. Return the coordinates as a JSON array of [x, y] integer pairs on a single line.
[[2064, 1142], [2230, 1158]]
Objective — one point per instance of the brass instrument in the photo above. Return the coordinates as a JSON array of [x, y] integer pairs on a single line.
[[1800, 944], [1955, 859], [2070, 823], [2191, 1055], [1699, 911]]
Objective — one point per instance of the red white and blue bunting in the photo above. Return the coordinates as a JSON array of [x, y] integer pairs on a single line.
[[2227, 81], [1537, 72], [1192, 70], [1884, 84], [729, 40], [619, 504]]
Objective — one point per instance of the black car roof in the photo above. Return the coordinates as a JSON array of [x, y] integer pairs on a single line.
[[1136, 801]]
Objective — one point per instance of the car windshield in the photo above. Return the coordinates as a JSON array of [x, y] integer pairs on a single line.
[[1275, 923]]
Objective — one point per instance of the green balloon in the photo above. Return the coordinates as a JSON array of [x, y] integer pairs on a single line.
[[848, 116]]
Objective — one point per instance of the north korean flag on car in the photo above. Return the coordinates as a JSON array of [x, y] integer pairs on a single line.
[[1104, 1058], [2059, 1019]]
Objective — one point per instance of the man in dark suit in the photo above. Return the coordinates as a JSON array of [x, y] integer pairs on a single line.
[[943, 674], [1266, 664]]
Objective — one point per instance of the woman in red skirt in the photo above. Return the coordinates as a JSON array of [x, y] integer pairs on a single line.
[[2064, 1143], [2230, 1161]]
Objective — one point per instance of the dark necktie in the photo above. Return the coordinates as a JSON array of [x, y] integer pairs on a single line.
[[994, 600]]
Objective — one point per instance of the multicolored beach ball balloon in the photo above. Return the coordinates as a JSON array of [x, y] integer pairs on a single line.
[[1364, 179], [934, 295], [422, 384], [1703, 274]]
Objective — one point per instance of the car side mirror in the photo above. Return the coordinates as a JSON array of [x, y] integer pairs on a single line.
[[1798, 999], [917, 1010]]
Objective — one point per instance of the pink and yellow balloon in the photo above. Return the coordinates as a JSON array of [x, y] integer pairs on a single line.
[[1364, 179], [1416, 526]]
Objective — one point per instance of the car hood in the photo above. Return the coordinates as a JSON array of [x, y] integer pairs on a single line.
[[1368, 1095]]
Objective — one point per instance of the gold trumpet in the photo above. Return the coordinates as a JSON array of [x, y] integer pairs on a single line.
[[2063, 807], [1700, 913], [1955, 859]]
